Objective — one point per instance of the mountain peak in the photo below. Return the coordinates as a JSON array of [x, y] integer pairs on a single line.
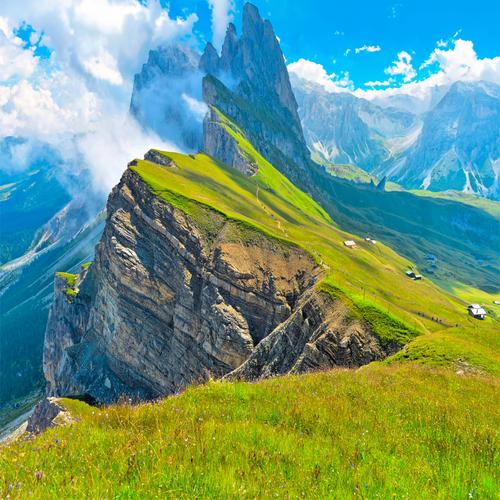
[[209, 61]]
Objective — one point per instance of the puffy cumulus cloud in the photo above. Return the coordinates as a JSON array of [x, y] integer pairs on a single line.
[[15, 61], [45, 111], [368, 48], [316, 73], [402, 66], [378, 83], [110, 144], [460, 62], [222, 15], [76, 101], [94, 36]]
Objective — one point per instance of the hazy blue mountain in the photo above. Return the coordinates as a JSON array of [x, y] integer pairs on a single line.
[[26, 290], [24, 204], [345, 129]]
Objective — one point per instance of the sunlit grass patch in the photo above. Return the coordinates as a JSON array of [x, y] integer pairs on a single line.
[[404, 431]]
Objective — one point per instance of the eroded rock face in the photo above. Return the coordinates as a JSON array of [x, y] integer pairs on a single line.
[[166, 304], [218, 143], [249, 84], [320, 334], [49, 412]]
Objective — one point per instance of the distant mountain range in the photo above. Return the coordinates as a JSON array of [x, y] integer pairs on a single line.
[[449, 141]]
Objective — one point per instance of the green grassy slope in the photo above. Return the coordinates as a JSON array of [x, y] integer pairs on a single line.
[[371, 276], [380, 432], [465, 238], [417, 223], [490, 206], [344, 170]]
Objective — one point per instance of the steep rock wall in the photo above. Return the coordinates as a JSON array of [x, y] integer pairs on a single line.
[[167, 303]]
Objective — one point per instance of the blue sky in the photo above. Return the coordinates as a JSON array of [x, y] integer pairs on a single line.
[[322, 30]]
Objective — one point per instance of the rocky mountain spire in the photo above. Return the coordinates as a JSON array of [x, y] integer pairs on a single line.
[[255, 63], [229, 49], [209, 61], [262, 61], [252, 89]]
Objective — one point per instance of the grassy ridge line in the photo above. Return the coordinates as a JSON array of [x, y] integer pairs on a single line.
[[408, 432], [198, 210]]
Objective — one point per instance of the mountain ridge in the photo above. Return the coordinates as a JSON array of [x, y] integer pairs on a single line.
[[388, 139]]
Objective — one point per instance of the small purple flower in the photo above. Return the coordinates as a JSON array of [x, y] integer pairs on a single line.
[[38, 475]]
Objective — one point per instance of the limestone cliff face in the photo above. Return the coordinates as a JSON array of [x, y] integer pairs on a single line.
[[218, 143], [165, 304], [319, 334], [169, 302]]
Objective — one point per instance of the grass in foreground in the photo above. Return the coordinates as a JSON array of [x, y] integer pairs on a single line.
[[404, 431]]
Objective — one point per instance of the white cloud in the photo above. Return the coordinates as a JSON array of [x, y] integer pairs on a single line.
[[94, 37], [103, 67], [15, 61], [55, 106], [76, 102], [197, 107], [221, 17], [402, 66], [379, 83], [347, 52], [458, 63], [316, 73], [368, 48], [111, 144]]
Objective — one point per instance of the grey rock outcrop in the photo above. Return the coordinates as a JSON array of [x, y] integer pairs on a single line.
[[319, 334], [49, 412], [156, 157], [209, 61], [165, 304], [218, 143]]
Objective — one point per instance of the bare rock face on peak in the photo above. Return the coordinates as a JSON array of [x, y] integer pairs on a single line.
[[221, 145], [253, 65], [209, 60], [249, 84]]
